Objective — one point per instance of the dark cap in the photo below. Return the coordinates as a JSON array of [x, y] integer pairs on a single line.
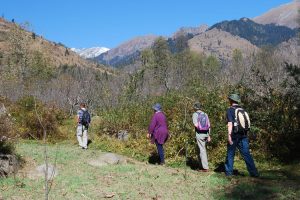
[[197, 105], [235, 97]]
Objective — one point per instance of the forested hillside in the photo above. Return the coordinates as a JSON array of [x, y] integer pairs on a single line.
[[257, 34], [31, 65], [42, 84]]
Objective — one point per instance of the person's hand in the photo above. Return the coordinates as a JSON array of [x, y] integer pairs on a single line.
[[230, 140], [208, 139], [148, 135]]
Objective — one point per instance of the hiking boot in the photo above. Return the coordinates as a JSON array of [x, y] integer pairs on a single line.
[[255, 176]]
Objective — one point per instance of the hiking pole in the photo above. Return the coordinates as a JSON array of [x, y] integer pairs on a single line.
[[186, 142], [90, 133], [186, 154]]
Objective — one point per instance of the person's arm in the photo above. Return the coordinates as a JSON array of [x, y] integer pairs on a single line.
[[77, 118], [90, 119], [151, 126], [208, 138], [229, 125], [195, 119], [230, 120]]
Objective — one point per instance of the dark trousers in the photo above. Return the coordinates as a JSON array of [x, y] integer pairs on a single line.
[[160, 150], [243, 145]]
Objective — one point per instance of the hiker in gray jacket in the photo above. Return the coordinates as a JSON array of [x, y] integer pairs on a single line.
[[202, 130]]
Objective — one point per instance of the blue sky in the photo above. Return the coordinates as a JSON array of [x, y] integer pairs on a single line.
[[87, 23]]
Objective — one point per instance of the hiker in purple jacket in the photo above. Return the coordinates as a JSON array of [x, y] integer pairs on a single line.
[[158, 131]]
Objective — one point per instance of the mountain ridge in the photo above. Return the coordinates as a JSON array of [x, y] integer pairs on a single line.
[[284, 15], [56, 54], [126, 50], [257, 34], [91, 52]]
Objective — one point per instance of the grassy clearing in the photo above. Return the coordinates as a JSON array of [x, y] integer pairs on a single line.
[[78, 180], [139, 180]]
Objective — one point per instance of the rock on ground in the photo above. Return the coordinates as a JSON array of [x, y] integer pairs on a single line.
[[123, 135], [8, 164], [3, 110], [108, 159], [39, 171]]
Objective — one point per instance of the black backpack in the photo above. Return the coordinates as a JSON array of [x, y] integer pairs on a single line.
[[241, 124], [86, 118]]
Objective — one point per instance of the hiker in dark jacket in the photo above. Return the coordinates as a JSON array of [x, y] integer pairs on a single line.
[[158, 131], [238, 140], [202, 134]]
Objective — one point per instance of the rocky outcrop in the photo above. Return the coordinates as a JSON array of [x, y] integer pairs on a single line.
[[8, 165]]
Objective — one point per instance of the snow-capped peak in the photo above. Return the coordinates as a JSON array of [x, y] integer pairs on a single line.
[[90, 52]]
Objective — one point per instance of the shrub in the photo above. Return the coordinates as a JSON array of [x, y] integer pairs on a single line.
[[33, 117], [7, 147], [7, 131], [135, 117], [6, 127], [274, 120]]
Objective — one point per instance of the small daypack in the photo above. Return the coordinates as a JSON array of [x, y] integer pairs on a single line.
[[203, 124], [242, 121], [86, 118]]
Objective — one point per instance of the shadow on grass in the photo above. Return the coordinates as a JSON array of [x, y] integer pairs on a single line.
[[252, 191], [89, 142], [193, 163], [154, 158], [273, 184], [290, 174], [220, 168]]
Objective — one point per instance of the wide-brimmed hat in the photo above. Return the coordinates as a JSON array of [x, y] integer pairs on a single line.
[[235, 97], [197, 105], [157, 107]]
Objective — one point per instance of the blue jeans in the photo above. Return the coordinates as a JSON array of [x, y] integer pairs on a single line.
[[243, 145], [161, 153]]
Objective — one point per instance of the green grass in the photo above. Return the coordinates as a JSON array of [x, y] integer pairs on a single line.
[[138, 180], [78, 180], [276, 182]]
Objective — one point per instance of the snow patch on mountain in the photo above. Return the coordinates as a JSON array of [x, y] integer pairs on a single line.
[[90, 52]]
